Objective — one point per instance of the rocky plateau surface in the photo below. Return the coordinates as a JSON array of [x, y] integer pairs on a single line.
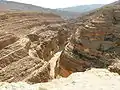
[[94, 79]]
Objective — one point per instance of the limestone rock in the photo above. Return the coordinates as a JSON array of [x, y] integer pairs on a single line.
[[95, 43], [94, 79], [28, 41]]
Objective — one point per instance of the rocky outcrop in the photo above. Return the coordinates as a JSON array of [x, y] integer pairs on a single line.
[[96, 42], [29, 43], [6, 39], [77, 81]]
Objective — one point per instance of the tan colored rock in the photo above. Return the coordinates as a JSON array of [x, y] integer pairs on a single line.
[[93, 47], [94, 79], [7, 39], [28, 41]]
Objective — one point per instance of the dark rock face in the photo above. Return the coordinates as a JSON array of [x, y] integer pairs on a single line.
[[96, 42]]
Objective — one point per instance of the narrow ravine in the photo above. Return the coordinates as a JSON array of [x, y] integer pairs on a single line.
[[53, 63]]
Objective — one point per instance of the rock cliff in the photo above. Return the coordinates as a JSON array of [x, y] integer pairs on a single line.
[[28, 41], [38, 47], [95, 43]]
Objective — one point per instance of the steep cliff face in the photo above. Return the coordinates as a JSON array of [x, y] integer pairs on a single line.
[[96, 42], [28, 41]]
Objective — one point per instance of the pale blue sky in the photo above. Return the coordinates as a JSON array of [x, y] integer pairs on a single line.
[[63, 3]]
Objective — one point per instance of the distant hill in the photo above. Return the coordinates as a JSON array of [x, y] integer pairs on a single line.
[[2, 0], [15, 6], [66, 13], [82, 8]]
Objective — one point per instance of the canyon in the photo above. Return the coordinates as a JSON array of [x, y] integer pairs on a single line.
[[95, 42], [42, 51], [28, 42]]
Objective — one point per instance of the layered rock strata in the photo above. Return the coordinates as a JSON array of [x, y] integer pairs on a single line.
[[28, 41], [96, 42]]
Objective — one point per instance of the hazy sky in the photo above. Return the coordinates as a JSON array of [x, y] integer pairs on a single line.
[[63, 3]]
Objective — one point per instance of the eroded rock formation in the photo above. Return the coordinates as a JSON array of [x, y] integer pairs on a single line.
[[96, 42], [27, 43], [31, 41]]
